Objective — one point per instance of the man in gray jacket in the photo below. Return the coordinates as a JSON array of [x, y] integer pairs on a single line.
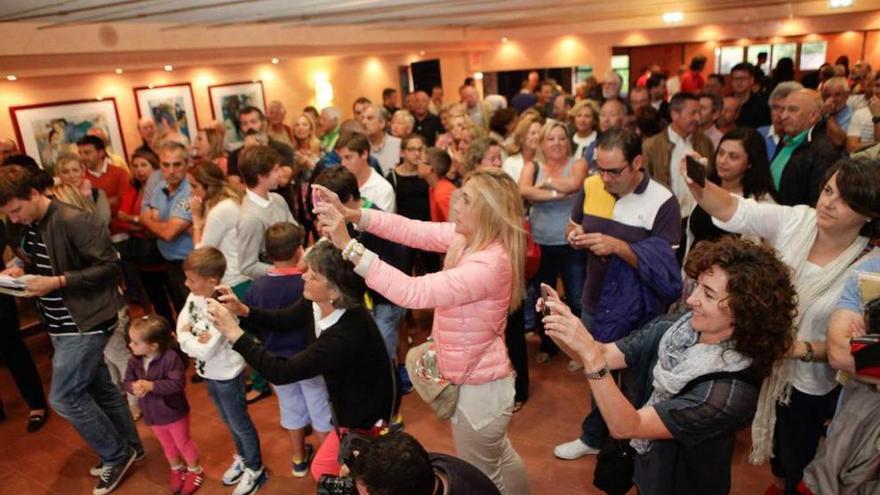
[[74, 272]]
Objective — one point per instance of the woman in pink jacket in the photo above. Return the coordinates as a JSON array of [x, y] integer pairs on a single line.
[[472, 297]]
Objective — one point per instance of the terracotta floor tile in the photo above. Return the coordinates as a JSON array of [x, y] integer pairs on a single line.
[[56, 460]]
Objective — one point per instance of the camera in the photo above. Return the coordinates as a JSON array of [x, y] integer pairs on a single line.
[[336, 485]]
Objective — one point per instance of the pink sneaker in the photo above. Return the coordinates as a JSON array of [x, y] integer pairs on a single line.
[[192, 482], [176, 479]]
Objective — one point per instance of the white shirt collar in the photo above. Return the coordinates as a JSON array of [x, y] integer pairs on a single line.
[[103, 168], [325, 322], [676, 139], [257, 199]]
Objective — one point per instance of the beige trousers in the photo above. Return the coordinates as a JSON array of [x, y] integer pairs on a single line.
[[490, 451]]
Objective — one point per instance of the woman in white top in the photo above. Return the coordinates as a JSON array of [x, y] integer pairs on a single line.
[[584, 118], [215, 206], [821, 246], [525, 143]]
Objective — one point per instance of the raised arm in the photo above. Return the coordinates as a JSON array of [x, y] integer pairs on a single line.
[[428, 236]]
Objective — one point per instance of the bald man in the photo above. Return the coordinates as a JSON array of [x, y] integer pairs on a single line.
[[835, 93], [804, 155], [147, 130]]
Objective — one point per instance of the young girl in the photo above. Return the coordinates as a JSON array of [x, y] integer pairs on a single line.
[[157, 375]]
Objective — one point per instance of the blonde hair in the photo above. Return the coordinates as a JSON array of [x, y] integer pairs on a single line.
[[217, 187], [215, 141], [312, 142], [545, 131], [592, 105], [64, 158], [499, 216], [521, 130], [71, 195]]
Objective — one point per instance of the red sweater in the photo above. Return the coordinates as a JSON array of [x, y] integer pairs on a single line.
[[114, 182]]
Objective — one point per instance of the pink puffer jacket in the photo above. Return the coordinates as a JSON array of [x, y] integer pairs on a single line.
[[471, 300]]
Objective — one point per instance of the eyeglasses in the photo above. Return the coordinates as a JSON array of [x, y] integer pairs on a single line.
[[612, 172]]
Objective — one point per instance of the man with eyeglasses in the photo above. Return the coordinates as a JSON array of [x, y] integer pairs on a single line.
[[754, 111], [630, 226]]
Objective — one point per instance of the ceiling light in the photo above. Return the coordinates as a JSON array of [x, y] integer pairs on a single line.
[[11, 77], [670, 17], [119, 70], [422, 53], [275, 60], [478, 76], [169, 68], [838, 4], [504, 39]]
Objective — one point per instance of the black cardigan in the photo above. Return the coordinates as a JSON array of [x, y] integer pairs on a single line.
[[350, 354]]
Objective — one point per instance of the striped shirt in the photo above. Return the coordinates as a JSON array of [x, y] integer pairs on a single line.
[[56, 316]]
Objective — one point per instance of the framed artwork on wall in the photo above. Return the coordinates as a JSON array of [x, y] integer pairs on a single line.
[[226, 99], [46, 130], [173, 109]]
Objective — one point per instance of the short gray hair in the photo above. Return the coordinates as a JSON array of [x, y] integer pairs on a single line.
[[333, 112], [783, 89], [406, 116]]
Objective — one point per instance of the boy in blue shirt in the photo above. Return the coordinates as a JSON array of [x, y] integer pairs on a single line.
[[304, 402]]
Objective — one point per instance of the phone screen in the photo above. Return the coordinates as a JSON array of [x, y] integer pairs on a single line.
[[696, 171], [544, 297]]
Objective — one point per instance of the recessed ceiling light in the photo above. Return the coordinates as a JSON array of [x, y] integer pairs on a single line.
[[838, 4], [11, 77], [504, 39], [275, 60], [422, 52], [478, 76], [169, 68], [119, 70], [670, 17]]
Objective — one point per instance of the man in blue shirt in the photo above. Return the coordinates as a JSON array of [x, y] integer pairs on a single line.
[[169, 217]]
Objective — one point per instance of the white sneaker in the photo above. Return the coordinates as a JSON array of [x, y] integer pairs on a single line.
[[574, 449], [574, 365], [251, 481], [233, 474]]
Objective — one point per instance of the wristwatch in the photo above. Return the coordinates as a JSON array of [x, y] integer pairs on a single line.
[[596, 375], [808, 356]]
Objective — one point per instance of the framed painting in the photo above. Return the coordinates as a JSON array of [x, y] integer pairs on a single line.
[[172, 108], [226, 99], [46, 130]]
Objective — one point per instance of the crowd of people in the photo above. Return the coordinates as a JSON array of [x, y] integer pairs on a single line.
[[696, 300]]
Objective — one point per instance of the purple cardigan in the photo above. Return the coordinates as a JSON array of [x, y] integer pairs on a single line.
[[167, 402]]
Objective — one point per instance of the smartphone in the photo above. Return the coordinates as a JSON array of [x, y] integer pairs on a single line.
[[696, 171], [216, 295], [544, 296]]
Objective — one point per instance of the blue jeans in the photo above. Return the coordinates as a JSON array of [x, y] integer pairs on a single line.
[[82, 393], [571, 265], [388, 317], [228, 397]]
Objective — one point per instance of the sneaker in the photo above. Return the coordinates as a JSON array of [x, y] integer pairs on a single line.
[[191, 482], [98, 468], [175, 479], [575, 365], [574, 449], [301, 469], [405, 383], [233, 474], [251, 481], [112, 475]]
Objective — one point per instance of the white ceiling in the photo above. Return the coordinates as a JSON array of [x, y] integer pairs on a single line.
[[386, 14]]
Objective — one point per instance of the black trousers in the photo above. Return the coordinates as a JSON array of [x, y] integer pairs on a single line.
[[177, 290], [799, 425], [18, 357], [158, 289], [515, 339]]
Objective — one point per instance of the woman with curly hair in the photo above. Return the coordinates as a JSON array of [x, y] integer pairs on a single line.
[[821, 246], [696, 377]]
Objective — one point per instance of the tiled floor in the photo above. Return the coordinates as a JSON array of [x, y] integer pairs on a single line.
[[56, 461]]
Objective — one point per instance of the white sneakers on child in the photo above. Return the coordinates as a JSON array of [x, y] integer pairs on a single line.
[[250, 481], [233, 474], [574, 449]]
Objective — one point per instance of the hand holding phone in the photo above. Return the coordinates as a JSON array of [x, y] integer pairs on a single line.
[[696, 171]]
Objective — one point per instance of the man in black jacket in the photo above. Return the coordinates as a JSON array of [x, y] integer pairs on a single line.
[[804, 155], [252, 119], [74, 272]]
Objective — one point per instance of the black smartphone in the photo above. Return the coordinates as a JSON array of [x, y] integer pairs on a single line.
[[216, 295], [696, 171], [544, 296]]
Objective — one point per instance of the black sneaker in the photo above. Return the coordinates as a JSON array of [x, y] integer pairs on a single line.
[[98, 468], [112, 475]]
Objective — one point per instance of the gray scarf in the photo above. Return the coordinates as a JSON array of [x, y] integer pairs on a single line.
[[682, 359]]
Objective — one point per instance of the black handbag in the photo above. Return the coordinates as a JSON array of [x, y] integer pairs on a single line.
[[615, 466]]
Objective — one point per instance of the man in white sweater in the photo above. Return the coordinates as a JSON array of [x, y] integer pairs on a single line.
[[259, 167], [354, 153]]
